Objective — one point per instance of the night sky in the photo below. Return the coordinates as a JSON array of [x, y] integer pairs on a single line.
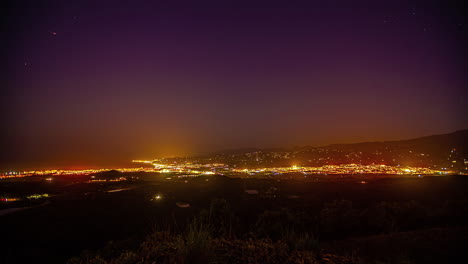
[[99, 83]]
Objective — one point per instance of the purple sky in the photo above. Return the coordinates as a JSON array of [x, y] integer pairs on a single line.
[[97, 83]]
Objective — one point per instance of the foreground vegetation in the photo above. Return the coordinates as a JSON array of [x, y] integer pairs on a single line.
[[309, 220], [284, 236]]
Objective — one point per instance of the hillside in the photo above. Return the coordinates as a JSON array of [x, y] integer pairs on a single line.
[[448, 151]]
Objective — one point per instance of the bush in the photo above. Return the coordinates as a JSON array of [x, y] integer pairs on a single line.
[[273, 224], [219, 218], [250, 251], [302, 241], [381, 218], [162, 247], [339, 218], [87, 258], [198, 242], [127, 257]]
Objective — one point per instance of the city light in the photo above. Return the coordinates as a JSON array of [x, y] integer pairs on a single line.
[[212, 169]]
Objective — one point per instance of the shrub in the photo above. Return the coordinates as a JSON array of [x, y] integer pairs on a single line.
[[250, 251], [339, 218], [220, 218], [87, 258], [273, 224], [302, 241], [162, 247], [198, 242]]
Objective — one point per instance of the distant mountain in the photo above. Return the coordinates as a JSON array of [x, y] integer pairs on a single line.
[[457, 140], [236, 151], [440, 151], [108, 175]]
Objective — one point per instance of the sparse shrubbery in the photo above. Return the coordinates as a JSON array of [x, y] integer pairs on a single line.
[[198, 242], [342, 219], [196, 246], [209, 238], [161, 247], [273, 224], [339, 217], [278, 236], [87, 258], [302, 241], [219, 219], [248, 251]]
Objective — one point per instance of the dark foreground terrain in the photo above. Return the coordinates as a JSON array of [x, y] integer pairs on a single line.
[[214, 219]]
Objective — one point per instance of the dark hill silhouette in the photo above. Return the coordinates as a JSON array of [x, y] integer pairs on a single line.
[[457, 140], [109, 175], [439, 151]]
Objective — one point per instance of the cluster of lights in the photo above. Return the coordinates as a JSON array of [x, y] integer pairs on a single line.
[[37, 196], [346, 169], [160, 168], [211, 169], [109, 180], [10, 199], [156, 197], [8, 175], [29, 197]]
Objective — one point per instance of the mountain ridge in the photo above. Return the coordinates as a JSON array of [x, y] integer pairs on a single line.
[[456, 137]]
